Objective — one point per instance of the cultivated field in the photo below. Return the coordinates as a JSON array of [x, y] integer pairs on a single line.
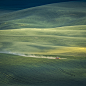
[[69, 40], [23, 71], [29, 44]]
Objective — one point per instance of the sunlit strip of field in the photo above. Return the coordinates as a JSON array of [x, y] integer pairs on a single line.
[[67, 50], [69, 40]]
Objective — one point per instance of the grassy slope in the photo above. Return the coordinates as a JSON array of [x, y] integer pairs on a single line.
[[69, 40], [36, 31], [47, 16], [23, 71]]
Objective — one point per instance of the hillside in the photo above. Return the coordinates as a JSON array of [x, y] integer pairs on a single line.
[[46, 16], [21, 71], [69, 40], [31, 39]]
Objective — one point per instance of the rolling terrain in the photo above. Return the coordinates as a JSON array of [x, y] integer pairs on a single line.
[[46, 16], [51, 30], [23, 71], [69, 40]]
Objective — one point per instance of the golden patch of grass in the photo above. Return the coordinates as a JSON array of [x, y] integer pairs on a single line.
[[66, 50]]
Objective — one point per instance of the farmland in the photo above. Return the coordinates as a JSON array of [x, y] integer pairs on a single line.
[[21, 71], [27, 42]]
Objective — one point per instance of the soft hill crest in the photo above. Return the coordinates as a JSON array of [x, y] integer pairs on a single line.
[[46, 16]]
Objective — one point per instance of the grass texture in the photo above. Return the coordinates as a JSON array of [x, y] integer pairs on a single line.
[[69, 40], [57, 29], [24, 71], [46, 16]]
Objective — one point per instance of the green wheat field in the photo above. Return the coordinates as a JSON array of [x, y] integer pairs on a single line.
[[51, 30]]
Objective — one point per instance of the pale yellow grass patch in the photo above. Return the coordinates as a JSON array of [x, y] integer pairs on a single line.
[[61, 50]]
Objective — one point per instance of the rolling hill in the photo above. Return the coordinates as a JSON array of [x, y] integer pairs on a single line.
[[46, 16], [21, 71], [69, 40], [57, 29]]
